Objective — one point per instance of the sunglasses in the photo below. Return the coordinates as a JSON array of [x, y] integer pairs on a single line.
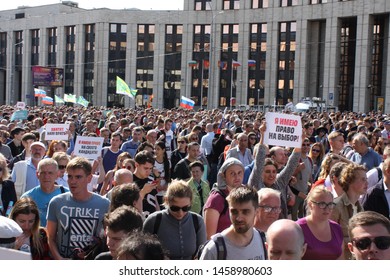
[[128, 167], [306, 145], [381, 242], [269, 209], [315, 150], [61, 166], [177, 208], [324, 205]]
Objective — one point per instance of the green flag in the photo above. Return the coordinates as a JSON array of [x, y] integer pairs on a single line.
[[82, 101], [123, 88], [58, 100]]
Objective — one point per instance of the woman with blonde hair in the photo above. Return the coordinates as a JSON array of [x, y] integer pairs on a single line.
[[34, 238], [324, 237], [316, 154], [7, 187], [353, 180]]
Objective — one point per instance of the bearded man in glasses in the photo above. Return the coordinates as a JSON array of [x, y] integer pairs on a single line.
[[370, 236]]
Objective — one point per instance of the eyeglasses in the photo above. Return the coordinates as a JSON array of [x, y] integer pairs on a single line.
[[269, 209], [177, 208], [61, 166], [315, 150], [324, 205], [306, 145], [381, 242]]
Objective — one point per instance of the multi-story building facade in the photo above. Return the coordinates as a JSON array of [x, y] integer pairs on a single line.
[[217, 52]]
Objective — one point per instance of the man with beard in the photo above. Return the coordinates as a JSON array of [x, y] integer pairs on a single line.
[[241, 241], [24, 172]]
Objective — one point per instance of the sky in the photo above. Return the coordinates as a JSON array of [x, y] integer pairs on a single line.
[[113, 4]]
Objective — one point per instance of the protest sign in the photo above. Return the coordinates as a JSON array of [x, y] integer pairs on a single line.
[[88, 147], [283, 130], [20, 105], [19, 115], [56, 131]]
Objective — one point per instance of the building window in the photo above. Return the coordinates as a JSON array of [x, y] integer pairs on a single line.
[[145, 63], [70, 36], [347, 63], [228, 64], [202, 5], [312, 2], [257, 63], [89, 62], [378, 52], [286, 62], [116, 62], [172, 67], [231, 4], [260, 4], [288, 3], [35, 34], [52, 46]]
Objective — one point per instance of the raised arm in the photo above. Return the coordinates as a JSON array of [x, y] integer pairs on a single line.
[[255, 179]]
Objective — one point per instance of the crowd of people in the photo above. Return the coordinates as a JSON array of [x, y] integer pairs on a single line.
[[184, 184]]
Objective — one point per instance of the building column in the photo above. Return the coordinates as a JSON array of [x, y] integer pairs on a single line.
[[331, 67], [101, 69], [26, 73], [79, 60], [300, 67], [362, 64], [386, 79], [158, 66], [60, 56]]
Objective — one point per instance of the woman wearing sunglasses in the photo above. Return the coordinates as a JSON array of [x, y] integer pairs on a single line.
[[370, 236], [316, 154], [323, 236], [353, 180], [180, 231]]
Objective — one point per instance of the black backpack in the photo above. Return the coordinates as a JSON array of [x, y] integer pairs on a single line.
[[221, 246]]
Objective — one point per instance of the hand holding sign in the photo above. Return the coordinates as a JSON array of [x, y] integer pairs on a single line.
[[283, 130]]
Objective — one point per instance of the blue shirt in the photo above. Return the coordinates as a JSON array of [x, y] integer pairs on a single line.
[[130, 147], [370, 159], [42, 200]]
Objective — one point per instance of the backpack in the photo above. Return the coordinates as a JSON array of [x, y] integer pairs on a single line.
[[380, 175], [221, 246], [157, 222]]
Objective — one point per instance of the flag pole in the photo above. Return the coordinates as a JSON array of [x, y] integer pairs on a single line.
[[231, 86], [201, 86]]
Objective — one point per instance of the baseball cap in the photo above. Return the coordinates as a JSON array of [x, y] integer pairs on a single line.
[[37, 143]]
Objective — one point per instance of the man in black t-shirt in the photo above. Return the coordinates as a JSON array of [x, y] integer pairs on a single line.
[[144, 162]]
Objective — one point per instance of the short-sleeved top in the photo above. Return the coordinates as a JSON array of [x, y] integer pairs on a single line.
[[217, 202], [149, 202], [78, 222], [318, 250], [42, 200]]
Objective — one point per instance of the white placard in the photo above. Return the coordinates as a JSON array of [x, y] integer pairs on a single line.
[[88, 147], [56, 131], [20, 105], [10, 254], [283, 130]]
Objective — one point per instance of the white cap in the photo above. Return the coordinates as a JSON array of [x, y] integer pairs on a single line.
[[9, 229]]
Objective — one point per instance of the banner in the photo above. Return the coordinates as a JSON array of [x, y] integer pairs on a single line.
[[19, 115], [47, 76], [56, 131], [58, 100], [88, 147], [283, 130], [70, 98]]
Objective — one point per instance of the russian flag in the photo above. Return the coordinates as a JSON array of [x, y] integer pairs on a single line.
[[187, 103], [251, 63], [39, 92], [47, 100], [236, 63]]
